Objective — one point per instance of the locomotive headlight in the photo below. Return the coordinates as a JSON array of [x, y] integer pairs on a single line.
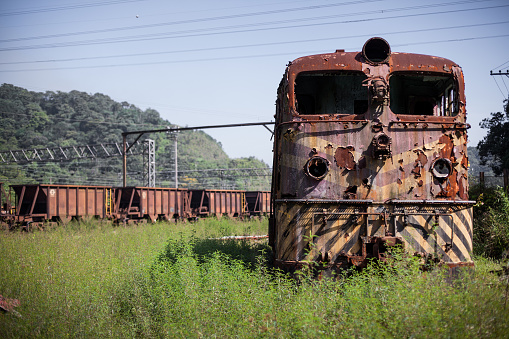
[[317, 167], [441, 168]]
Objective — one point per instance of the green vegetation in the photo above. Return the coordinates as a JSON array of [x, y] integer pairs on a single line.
[[31, 120], [180, 280], [493, 147], [491, 226]]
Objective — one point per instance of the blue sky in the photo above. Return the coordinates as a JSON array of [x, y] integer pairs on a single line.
[[220, 62]]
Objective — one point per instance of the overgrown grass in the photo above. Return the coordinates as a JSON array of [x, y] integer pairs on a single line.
[[65, 277], [167, 280]]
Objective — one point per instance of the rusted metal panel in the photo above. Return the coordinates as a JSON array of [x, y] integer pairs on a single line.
[[258, 202], [357, 126], [152, 203], [39, 203], [218, 203]]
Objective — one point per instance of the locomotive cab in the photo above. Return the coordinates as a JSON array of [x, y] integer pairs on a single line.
[[370, 152]]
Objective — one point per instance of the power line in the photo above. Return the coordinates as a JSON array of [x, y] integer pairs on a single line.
[[252, 45], [214, 31], [192, 21], [65, 8], [499, 66], [506, 73], [239, 57], [236, 16], [102, 122]]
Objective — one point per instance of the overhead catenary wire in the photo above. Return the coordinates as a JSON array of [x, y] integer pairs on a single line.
[[211, 31], [208, 59], [236, 16], [499, 66], [278, 43], [192, 21], [64, 8]]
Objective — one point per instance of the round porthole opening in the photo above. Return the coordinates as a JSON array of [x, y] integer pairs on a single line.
[[441, 168], [317, 167]]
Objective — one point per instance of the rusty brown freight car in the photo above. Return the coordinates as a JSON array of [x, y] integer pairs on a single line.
[[258, 202], [370, 150], [42, 203], [152, 203], [217, 203]]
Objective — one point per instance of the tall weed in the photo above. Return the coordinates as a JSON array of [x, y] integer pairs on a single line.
[[179, 281], [491, 222]]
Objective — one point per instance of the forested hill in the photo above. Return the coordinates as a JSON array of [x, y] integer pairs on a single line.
[[31, 120]]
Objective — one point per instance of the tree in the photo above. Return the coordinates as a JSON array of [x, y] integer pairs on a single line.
[[493, 148]]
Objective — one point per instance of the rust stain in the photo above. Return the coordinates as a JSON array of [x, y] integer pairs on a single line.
[[344, 157], [419, 163], [464, 162], [463, 187], [448, 150], [449, 188]]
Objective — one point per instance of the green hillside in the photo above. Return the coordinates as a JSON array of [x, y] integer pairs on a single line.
[[34, 120]]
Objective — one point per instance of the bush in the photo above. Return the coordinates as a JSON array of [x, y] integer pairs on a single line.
[[212, 294], [491, 222]]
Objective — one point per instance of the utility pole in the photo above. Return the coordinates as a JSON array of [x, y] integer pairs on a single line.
[[500, 73], [506, 73]]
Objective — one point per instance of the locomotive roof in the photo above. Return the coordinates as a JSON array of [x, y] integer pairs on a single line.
[[353, 61]]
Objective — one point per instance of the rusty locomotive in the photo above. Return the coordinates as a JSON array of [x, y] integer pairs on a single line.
[[370, 151]]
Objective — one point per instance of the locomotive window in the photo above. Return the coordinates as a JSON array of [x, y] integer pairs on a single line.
[[331, 93], [422, 94]]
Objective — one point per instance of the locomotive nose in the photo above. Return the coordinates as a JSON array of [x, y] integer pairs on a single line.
[[376, 50]]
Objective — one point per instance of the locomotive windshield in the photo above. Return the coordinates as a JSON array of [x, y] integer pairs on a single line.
[[331, 93], [421, 94]]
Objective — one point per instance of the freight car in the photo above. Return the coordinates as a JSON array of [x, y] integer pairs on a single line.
[[150, 203], [56, 203], [204, 203], [40, 204], [370, 152], [258, 203]]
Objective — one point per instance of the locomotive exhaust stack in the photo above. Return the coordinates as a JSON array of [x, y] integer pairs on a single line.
[[376, 51]]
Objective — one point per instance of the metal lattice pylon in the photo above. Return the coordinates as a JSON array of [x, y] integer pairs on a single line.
[[149, 163]]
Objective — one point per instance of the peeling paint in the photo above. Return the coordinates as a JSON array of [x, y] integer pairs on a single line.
[[344, 158]]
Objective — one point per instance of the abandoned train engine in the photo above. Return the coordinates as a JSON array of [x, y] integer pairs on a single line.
[[370, 151]]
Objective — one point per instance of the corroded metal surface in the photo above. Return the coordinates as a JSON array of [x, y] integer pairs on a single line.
[[39, 203], [151, 203], [392, 129], [217, 203]]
